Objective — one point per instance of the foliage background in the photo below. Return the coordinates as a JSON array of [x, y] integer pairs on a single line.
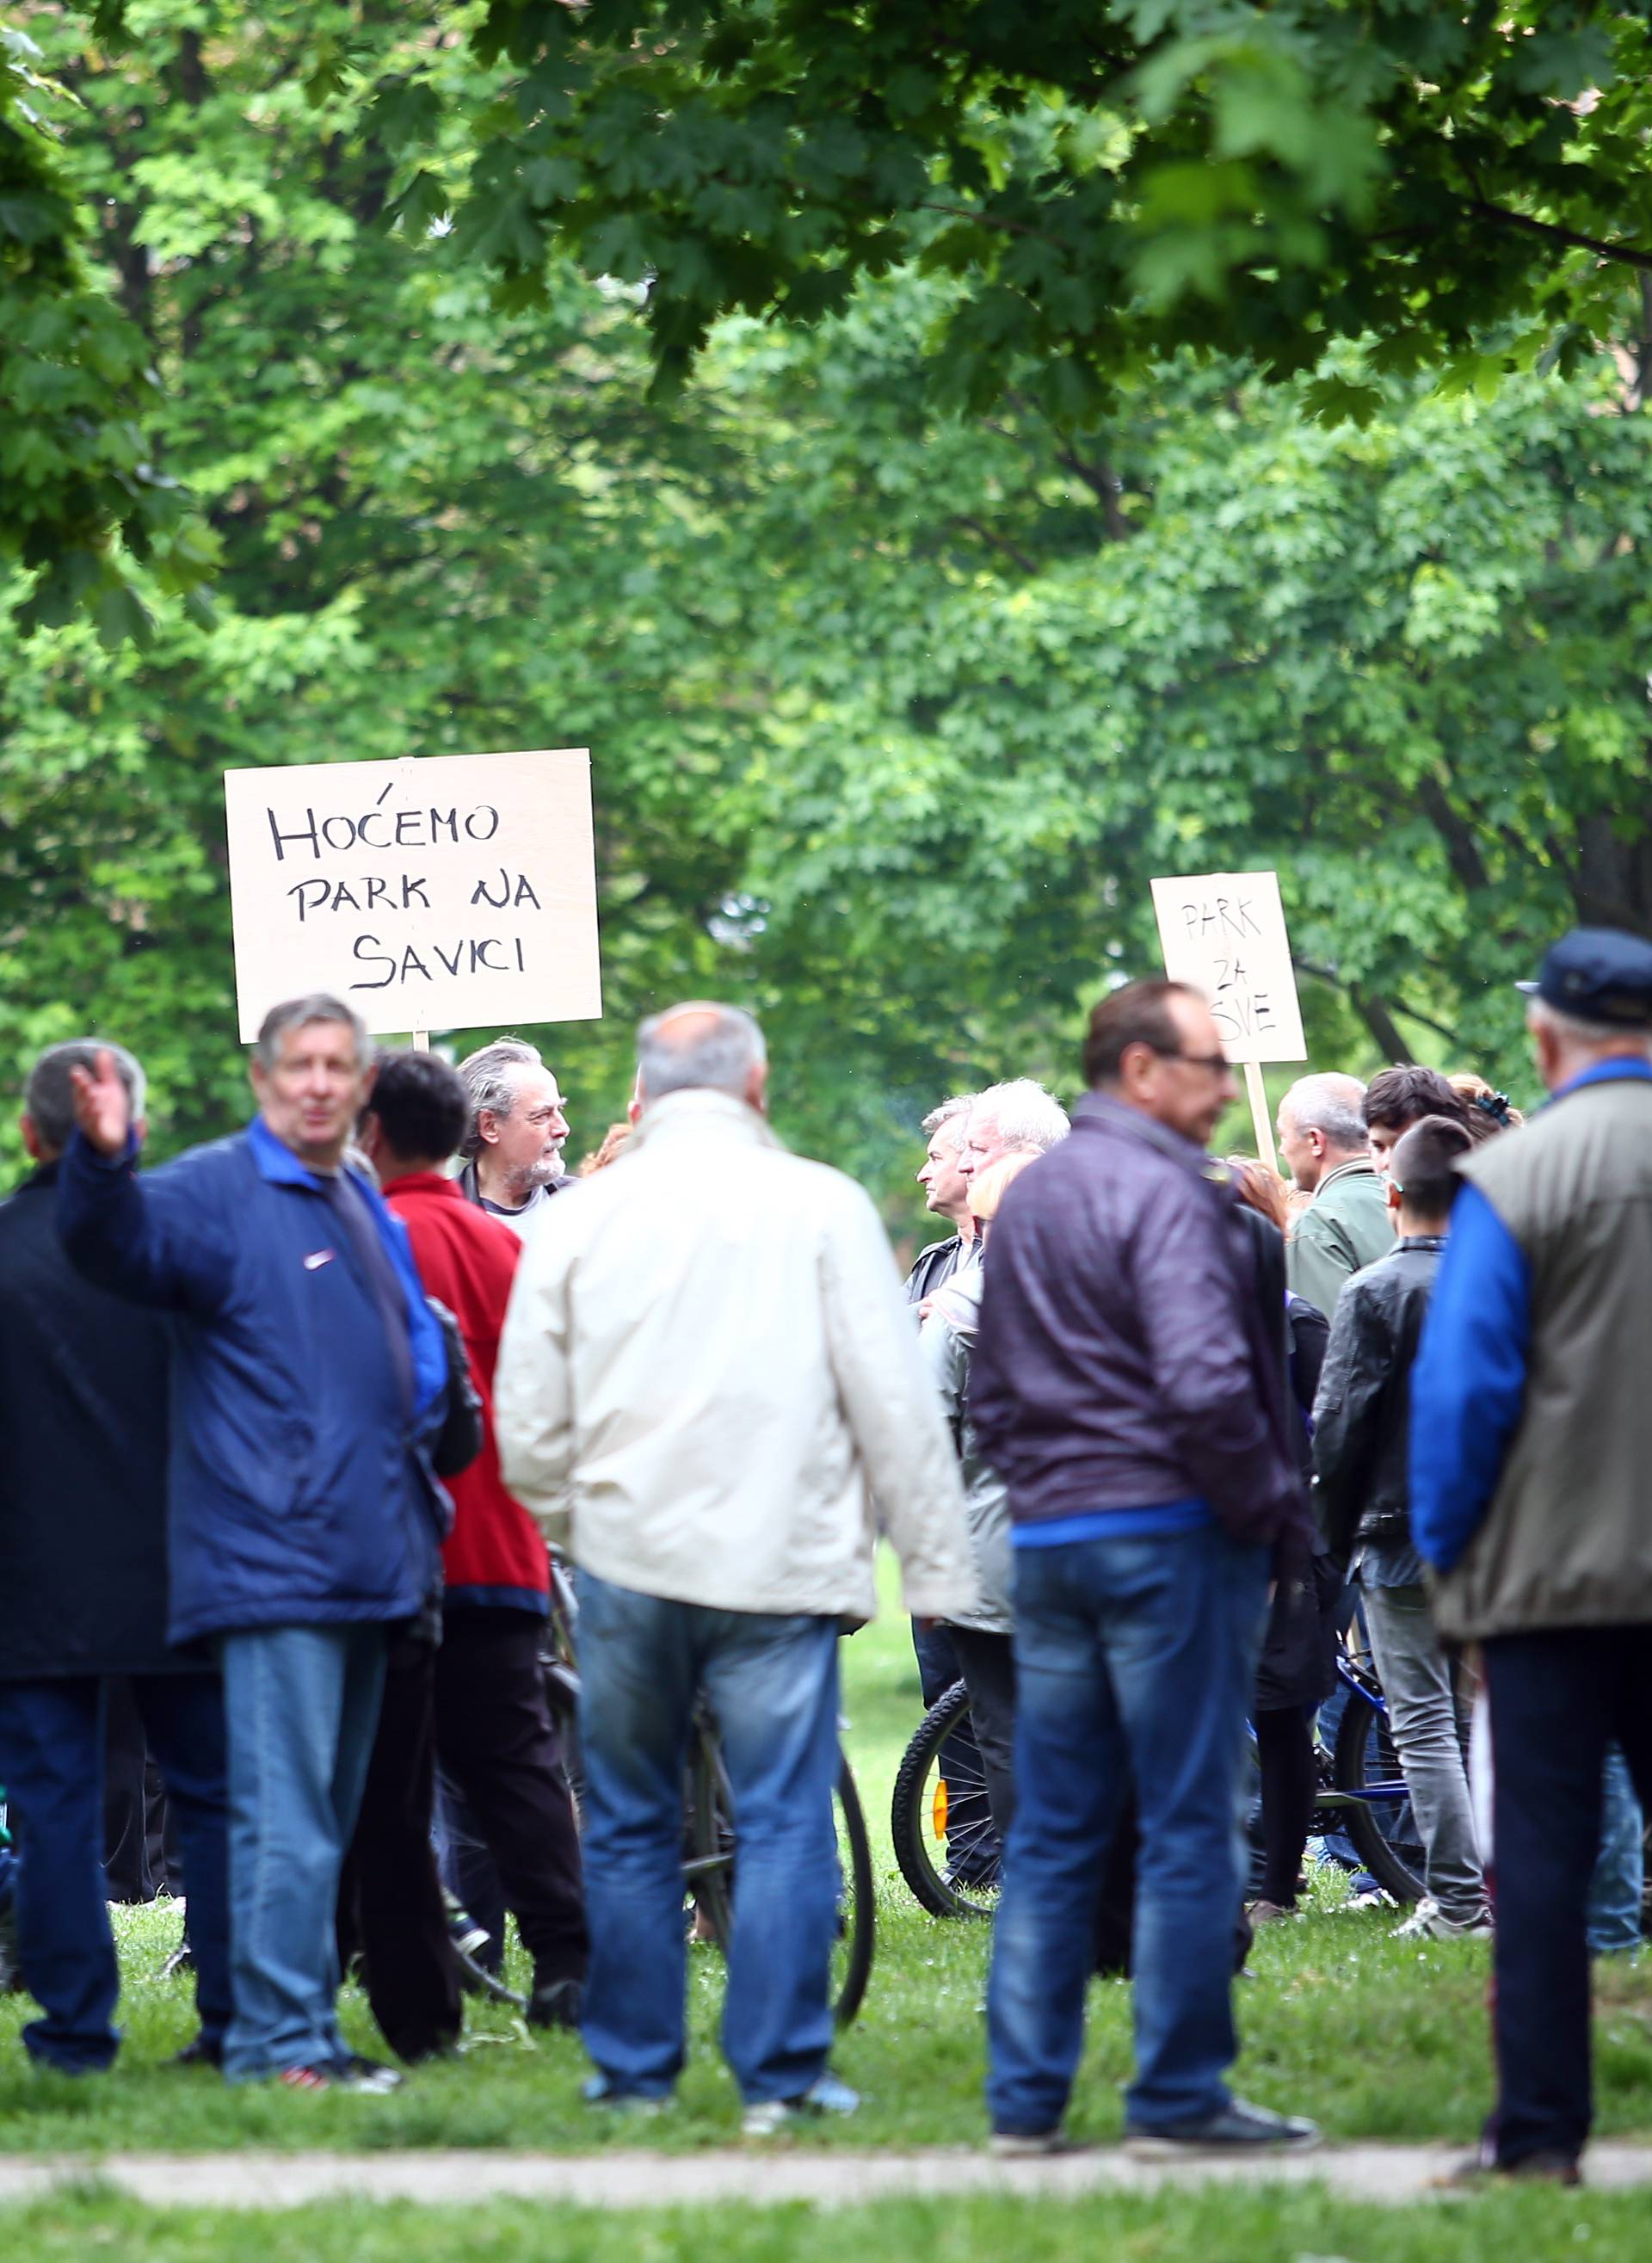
[[894, 710]]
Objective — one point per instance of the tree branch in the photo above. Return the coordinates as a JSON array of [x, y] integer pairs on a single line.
[[1630, 254]]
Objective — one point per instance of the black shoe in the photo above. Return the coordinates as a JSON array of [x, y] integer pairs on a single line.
[[200, 2050], [1238, 2128], [1547, 2166], [556, 2003]]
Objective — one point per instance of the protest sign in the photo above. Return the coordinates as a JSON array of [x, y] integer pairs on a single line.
[[1223, 934], [448, 892]]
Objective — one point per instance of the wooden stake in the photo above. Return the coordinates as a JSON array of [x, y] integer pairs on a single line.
[[1261, 1120]]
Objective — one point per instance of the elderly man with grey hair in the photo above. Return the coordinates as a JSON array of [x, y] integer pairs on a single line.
[[707, 1379], [1008, 1119], [946, 1196], [512, 1150], [1324, 1144], [304, 1515]]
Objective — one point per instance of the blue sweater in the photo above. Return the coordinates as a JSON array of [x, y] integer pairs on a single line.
[[301, 1491]]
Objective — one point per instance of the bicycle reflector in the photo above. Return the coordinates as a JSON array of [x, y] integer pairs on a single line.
[[938, 1808]]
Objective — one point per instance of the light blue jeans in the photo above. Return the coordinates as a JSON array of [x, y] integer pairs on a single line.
[[301, 1708], [1618, 1882], [772, 1684], [1135, 1660]]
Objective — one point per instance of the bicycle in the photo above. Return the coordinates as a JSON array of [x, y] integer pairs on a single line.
[[941, 1802], [711, 1841]]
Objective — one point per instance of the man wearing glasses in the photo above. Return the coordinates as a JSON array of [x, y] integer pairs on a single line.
[[1129, 1387]]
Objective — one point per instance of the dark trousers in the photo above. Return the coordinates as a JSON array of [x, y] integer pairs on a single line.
[[988, 1661], [498, 1745], [134, 1805], [390, 1896], [939, 1667], [1290, 1789], [1558, 1699], [52, 1763]]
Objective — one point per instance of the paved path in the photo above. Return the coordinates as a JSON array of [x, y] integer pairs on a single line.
[[834, 2178]]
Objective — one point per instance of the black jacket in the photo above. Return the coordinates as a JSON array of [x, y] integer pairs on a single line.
[[1362, 1410], [1126, 1357], [933, 1268], [84, 1382]]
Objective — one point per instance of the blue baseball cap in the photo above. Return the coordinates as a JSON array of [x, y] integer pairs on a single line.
[[1599, 974]]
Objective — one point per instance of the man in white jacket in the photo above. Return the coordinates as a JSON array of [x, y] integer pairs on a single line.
[[708, 1375]]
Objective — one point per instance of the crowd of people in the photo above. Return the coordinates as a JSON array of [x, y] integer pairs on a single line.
[[293, 1417]]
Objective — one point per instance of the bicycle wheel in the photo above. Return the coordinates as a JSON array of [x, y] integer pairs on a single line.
[[1378, 1814], [710, 1858], [941, 1819]]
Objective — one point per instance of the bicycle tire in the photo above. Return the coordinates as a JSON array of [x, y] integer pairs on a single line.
[[918, 1820], [858, 1939], [709, 1870], [1375, 1847]]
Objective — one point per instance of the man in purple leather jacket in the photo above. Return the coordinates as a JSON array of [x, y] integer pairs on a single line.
[[1126, 1390]]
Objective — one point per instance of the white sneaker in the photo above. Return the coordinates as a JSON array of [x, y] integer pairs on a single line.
[[1428, 1923]]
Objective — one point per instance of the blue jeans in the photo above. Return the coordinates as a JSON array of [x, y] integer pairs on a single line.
[[301, 1705], [772, 1684], [51, 1744], [1135, 1660], [1618, 1882]]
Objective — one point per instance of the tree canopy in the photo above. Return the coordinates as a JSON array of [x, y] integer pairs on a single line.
[[893, 717], [1110, 181], [1106, 183]]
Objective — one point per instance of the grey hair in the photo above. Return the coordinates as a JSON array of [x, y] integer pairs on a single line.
[[1026, 1115], [303, 1014], [49, 1097], [490, 1078], [1329, 1102], [950, 1112], [719, 1059], [1574, 1030]]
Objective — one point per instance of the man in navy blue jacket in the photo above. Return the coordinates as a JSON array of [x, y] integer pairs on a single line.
[[1129, 1387], [304, 1515]]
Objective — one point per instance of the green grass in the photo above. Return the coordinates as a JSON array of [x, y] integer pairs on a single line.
[[1209, 2226], [1377, 2038]]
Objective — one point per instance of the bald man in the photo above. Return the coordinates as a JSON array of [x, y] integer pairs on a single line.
[[1327, 1150], [707, 1371]]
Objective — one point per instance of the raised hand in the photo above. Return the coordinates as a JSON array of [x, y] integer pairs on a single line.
[[102, 1108]]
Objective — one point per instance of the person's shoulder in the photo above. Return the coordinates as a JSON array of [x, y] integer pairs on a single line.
[[202, 1170]]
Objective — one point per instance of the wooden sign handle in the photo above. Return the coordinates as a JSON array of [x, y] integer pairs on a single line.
[[1261, 1120], [421, 1041]]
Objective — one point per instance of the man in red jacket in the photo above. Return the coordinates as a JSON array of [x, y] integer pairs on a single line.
[[494, 1737]]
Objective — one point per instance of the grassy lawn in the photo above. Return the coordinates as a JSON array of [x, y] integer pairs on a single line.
[[1213, 2226], [1375, 2037]]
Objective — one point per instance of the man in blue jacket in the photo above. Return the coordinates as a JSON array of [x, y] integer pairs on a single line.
[[305, 1516], [1129, 1387], [1531, 1441]]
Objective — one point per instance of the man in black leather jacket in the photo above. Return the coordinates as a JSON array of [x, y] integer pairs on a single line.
[[1361, 1421]]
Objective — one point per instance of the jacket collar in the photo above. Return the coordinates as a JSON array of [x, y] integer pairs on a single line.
[[279, 1165], [424, 1182], [1422, 1241], [1354, 1164], [1605, 1072], [718, 1114], [1096, 1111]]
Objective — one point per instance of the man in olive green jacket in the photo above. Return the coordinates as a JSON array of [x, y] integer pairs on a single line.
[[1322, 1138], [1531, 1460]]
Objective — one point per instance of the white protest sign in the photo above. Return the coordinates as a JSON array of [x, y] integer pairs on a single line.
[[448, 892], [1223, 933]]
